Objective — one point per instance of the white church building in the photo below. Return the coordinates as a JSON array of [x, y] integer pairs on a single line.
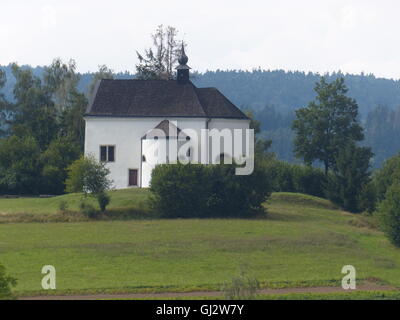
[[132, 124]]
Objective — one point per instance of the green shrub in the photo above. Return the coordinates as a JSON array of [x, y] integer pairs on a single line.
[[103, 199], [194, 190], [286, 177], [368, 198], [56, 159], [350, 175], [6, 283], [236, 196], [389, 214], [308, 180], [19, 165], [88, 210], [88, 175], [283, 181], [63, 206], [241, 288], [91, 177], [178, 190], [386, 176]]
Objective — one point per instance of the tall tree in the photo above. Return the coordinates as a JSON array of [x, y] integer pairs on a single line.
[[326, 124], [60, 82], [71, 122], [19, 165], [103, 73], [34, 111], [158, 61]]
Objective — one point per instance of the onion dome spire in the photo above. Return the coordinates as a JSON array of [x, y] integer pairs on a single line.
[[183, 59], [182, 74]]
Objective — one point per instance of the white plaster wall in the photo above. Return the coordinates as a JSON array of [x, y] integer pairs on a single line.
[[126, 133], [159, 152], [231, 124]]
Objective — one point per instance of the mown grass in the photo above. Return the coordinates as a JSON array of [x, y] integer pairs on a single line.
[[302, 241], [125, 204], [128, 198]]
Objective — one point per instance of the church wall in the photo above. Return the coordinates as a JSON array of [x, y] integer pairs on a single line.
[[125, 134], [231, 124]]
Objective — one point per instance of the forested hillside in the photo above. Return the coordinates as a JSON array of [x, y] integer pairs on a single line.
[[286, 91], [274, 95]]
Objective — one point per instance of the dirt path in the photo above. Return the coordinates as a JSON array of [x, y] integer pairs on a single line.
[[365, 287]]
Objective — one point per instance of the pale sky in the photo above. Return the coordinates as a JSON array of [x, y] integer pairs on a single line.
[[308, 35]]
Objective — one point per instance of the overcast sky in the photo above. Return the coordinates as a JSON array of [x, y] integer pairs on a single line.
[[309, 35]]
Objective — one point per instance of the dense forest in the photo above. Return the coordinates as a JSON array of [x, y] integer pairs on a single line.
[[273, 96]]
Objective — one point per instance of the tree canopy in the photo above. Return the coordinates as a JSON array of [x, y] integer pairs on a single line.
[[158, 61], [327, 124]]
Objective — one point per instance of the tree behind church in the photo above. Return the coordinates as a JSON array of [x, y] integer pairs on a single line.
[[327, 124], [158, 61]]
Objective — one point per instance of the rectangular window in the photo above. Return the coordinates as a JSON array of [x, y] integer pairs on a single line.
[[133, 177], [103, 154], [111, 155], [107, 153]]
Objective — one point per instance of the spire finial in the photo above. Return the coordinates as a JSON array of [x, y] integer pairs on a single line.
[[183, 59], [182, 75]]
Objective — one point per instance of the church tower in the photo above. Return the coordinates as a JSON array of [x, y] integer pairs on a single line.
[[183, 69]]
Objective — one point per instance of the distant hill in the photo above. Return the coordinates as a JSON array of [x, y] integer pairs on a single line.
[[274, 95], [286, 91], [85, 79]]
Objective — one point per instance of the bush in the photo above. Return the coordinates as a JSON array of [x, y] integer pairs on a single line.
[[56, 159], [103, 199], [286, 177], [236, 196], [386, 176], [6, 283], [91, 177], [309, 180], [283, 177], [194, 190], [389, 214], [368, 198], [350, 175], [178, 190], [19, 165], [241, 288], [63, 206], [88, 210]]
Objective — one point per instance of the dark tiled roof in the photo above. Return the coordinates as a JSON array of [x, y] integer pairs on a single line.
[[216, 105], [159, 98]]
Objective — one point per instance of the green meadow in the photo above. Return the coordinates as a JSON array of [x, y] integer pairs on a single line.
[[33, 205], [301, 241]]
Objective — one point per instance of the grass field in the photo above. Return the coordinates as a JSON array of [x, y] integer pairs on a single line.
[[302, 241], [119, 199]]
